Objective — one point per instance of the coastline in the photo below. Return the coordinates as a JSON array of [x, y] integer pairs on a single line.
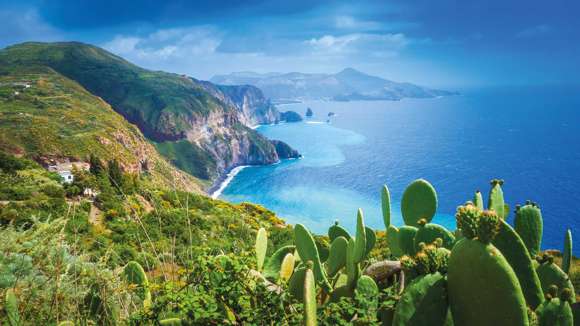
[[215, 192]]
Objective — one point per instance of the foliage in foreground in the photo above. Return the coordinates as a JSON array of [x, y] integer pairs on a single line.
[[155, 256]]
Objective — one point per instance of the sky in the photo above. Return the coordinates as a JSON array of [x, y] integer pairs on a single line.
[[444, 43]]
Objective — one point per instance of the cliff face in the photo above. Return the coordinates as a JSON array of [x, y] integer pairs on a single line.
[[202, 128]]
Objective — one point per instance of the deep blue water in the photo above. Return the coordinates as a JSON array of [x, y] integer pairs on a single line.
[[528, 137]]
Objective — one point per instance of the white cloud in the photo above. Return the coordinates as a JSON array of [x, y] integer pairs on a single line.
[[376, 44], [349, 22], [25, 25], [534, 31], [167, 44]]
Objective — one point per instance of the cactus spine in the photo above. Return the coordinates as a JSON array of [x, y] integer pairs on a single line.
[[261, 247], [11, 308], [419, 201], [567, 255], [529, 225], [309, 297]]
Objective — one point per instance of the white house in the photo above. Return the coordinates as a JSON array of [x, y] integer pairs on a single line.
[[65, 169], [67, 176]]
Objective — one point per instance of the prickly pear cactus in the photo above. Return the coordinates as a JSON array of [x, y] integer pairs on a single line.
[[307, 249], [428, 232], [274, 263], [386, 206], [550, 274], [134, 274], [11, 308], [512, 247], [419, 201], [170, 322], [478, 200], [567, 254], [261, 247], [528, 224], [368, 289], [407, 239], [556, 311], [287, 267], [337, 258], [296, 283], [424, 302], [393, 241], [495, 201], [371, 240], [483, 288], [309, 297], [361, 238], [352, 267], [336, 231]]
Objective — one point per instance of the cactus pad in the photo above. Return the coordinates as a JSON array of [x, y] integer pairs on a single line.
[[11, 308], [337, 258], [261, 247], [307, 249], [550, 274], [424, 302], [514, 250], [407, 239], [309, 299], [495, 201], [386, 206], [361, 238], [528, 224], [393, 241], [419, 201], [336, 231], [429, 232], [567, 254], [287, 267], [478, 200], [483, 288], [555, 312], [274, 263]]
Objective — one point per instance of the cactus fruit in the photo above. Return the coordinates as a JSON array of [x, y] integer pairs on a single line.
[[478, 200], [428, 232], [274, 263], [528, 224], [419, 201], [11, 308], [287, 267], [371, 240], [555, 312], [488, 226], [336, 231], [483, 288], [393, 241], [429, 259], [514, 250], [386, 206], [308, 251], [424, 302], [337, 258], [468, 220], [550, 274], [495, 201], [309, 297], [261, 248], [567, 255], [407, 239], [134, 274], [361, 238]]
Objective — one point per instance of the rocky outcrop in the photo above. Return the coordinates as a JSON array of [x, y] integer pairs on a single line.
[[284, 151], [290, 116]]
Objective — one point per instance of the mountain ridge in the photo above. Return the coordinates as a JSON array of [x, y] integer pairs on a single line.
[[348, 84], [174, 111]]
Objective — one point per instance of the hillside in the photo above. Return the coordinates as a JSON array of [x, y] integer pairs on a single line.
[[348, 84], [55, 119], [170, 109]]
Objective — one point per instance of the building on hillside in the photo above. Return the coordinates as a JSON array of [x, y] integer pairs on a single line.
[[65, 170]]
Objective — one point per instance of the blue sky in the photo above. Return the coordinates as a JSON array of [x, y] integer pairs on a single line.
[[434, 43]]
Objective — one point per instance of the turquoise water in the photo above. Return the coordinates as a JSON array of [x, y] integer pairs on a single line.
[[529, 137]]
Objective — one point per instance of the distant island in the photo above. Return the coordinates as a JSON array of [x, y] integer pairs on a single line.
[[347, 85]]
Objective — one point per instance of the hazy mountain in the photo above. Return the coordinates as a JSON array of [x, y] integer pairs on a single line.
[[349, 84]]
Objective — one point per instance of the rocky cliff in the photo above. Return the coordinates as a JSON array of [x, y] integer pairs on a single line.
[[202, 128]]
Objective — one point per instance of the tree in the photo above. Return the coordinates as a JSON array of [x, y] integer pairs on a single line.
[[96, 165], [115, 174]]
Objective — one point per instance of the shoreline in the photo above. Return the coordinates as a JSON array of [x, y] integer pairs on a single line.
[[214, 192]]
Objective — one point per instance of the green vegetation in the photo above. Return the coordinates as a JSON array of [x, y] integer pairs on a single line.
[[140, 254]]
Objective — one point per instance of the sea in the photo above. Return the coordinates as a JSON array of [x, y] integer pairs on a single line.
[[528, 136]]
